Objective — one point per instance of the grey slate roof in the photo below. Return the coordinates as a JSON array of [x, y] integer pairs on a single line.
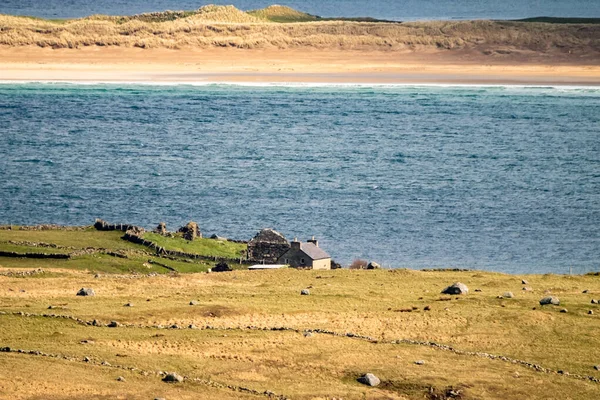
[[314, 252]]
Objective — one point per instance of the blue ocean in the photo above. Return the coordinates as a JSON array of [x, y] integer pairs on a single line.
[[399, 10], [495, 178]]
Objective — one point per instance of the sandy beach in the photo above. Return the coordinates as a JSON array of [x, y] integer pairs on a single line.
[[104, 64]]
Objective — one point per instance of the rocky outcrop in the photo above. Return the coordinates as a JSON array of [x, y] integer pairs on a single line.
[[550, 300], [267, 246], [369, 380]]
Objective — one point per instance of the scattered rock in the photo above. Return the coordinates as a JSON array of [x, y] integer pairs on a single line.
[[120, 379], [222, 267], [86, 292], [373, 265], [192, 326], [113, 324], [457, 288], [190, 231], [478, 290], [308, 334], [594, 301], [508, 295], [585, 291], [419, 362], [159, 398], [86, 359], [427, 308], [369, 380], [597, 367], [550, 300], [97, 276], [564, 310], [106, 363], [305, 292], [174, 326], [172, 377], [590, 312], [217, 237], [524, 282], [128, 305], [193, 303], [528, 289]]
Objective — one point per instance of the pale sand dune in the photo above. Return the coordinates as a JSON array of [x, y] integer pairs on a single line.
[[290, 65]]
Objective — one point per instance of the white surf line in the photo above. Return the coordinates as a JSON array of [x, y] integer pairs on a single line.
[[294, 84]]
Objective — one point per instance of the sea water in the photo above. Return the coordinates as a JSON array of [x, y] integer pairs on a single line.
[[497, 178], [399, 10]]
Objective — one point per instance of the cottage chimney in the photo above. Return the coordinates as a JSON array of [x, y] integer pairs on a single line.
[[295, 244], [314, 241]]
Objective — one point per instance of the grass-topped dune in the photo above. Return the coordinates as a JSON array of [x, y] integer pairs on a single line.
[[282, 27]]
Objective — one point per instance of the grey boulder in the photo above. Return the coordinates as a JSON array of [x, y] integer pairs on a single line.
[[172, 377], [369, 380], [457, 288], [550, 300], [86, 292]]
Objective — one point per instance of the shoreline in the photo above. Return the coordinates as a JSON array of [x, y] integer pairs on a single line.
[[299, 66]]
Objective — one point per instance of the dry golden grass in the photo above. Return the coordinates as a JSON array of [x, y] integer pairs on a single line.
[[237, 352], [225, 26]]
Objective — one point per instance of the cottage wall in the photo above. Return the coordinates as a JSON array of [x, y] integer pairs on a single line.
[[325, 263]]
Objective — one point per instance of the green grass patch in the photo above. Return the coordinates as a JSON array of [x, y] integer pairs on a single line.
[[79, 239], [203, 247], [22, 249]]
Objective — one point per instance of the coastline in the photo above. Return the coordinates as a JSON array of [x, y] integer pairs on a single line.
[[296, 66]]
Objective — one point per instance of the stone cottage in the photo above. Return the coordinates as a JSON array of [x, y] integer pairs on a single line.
[[306, 255], [267, 246]]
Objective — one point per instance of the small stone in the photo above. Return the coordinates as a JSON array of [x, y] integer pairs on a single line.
[[528, 289], [590, 312], [524, 282], [305, 292], [86, 292], [113, 324], [550, 300], [308, 334], [120, 379], [564, 310], [478, 290], [427, 308], [193, 303], [50, 307], [419, 362], [86, 359], [456, 288], [95, 322], [97, 276], [174, 326], [159, 398], [585, 291], [597, 367], [172, 377], [106, 363], [192, 326], [373, 265], [128, 305], [369, 380], [508, 295], [594, 301]]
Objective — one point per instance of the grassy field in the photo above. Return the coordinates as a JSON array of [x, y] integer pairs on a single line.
[[282, 27], [249, 337], [105, 251], [204, 246]]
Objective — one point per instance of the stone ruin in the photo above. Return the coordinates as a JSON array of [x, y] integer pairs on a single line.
[[161, 229], [191, 231], [267, 246]]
